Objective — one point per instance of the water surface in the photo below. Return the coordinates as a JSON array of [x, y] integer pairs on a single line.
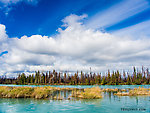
[[83, 86], [108, 104]]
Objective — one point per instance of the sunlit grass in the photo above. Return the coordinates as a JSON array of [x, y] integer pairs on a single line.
[[135, 92], [25, 92], [50, 92], [88, 93]]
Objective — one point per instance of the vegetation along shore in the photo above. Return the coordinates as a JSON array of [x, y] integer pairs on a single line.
[[55, 93]]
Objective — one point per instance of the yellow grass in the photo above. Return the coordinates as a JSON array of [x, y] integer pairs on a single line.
[[135, 92], [42, 92], [47, 92], [25, 92], [110, 90], [88, 93]]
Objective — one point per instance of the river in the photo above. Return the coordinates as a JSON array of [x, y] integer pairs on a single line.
[[108, 104]]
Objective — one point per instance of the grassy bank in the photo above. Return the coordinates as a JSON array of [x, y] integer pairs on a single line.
[[28, 92], [88, 93], [134, 92], [47, 92], [55, 92]]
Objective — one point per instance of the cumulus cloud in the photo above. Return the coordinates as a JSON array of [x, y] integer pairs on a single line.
[[3, 38], [3, 35], [75, 47]]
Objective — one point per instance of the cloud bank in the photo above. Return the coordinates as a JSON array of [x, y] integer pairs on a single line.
[[75, 47]]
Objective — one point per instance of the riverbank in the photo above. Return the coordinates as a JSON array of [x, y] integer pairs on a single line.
[[45, 92], [134, 92], [79, 93]]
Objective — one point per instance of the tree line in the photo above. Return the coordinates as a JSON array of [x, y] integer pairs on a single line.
[[57, 78]]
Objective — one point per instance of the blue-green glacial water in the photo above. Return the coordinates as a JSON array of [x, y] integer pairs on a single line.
[[108, 104]]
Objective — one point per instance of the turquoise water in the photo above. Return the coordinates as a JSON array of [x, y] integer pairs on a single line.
[[84, 86], [108, 104]]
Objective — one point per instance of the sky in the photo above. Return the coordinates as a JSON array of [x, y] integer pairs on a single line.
[[73, 35]]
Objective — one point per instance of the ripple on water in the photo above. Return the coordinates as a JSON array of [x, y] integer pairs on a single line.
[[108, 104]]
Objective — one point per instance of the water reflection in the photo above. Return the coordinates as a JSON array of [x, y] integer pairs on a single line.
[[61, 95], [108, 104], [84, 86]]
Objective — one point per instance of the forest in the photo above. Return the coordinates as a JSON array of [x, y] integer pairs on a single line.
[[58, 78]]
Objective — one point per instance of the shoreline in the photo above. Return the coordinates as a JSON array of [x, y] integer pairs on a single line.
[[77, 84], [80, 93]]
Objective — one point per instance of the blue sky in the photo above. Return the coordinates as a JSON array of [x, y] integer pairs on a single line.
[[73, 35], [45, 16]]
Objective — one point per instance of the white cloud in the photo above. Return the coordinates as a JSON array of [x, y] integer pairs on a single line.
[[137, 30], [3, 35], [3, 38], [117, 13], [74, 48]]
